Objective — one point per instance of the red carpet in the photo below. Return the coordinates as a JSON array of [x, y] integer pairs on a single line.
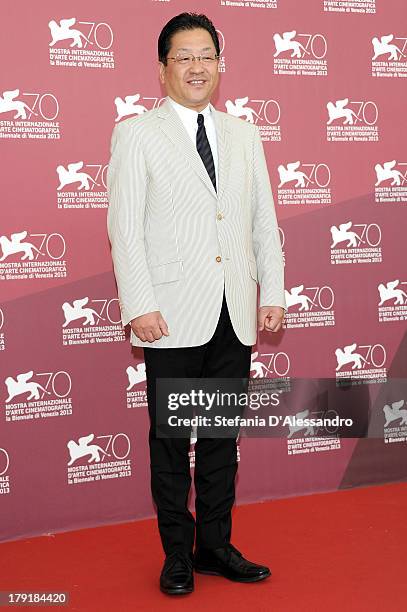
[[333, 551]]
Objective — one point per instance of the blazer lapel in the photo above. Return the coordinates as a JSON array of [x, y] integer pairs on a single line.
[[173, 127], [224, 142]]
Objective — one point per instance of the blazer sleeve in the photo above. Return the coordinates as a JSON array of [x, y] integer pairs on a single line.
[[127, 181], [266, 237]]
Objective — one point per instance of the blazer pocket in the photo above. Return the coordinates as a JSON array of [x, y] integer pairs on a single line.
[[167, 272], [252, 269]]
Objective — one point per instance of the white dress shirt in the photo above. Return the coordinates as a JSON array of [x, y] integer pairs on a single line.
[[189, 118]]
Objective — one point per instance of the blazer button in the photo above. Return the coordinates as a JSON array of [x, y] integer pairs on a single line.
[[218, 258], [219, 216]]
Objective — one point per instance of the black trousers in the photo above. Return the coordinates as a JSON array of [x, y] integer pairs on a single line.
[[223, 356]]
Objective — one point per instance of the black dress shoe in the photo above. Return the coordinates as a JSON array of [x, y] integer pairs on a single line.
[[230, 563], [177, 574]]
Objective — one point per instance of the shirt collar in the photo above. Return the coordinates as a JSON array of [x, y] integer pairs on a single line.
[[189, 114]]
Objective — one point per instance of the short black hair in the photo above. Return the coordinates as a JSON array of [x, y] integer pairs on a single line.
[[184, 21]]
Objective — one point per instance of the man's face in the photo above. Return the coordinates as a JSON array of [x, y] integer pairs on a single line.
[[177, 79]]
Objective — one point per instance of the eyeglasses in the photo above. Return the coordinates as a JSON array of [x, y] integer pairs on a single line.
[[187, 58]]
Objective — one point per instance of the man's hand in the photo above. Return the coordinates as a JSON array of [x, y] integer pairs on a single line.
[[149, 327], [270, 318]]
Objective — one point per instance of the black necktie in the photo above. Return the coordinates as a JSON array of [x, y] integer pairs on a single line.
[[204, 149]]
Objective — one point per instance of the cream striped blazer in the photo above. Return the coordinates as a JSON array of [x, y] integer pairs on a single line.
[[176, 242]]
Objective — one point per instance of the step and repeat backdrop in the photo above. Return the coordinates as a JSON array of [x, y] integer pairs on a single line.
[[325, 81]]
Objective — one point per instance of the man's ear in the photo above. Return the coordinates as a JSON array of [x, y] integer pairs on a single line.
[[161, 72]]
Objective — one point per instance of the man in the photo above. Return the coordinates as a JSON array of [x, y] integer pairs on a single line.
[[193, 228]]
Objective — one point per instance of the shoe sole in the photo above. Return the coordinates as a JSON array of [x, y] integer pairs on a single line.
[[216, 573], [176, 591]]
